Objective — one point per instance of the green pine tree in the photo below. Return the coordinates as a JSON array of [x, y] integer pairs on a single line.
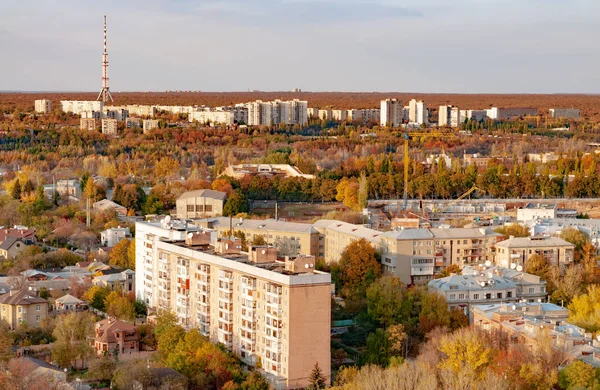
[[316, 379]]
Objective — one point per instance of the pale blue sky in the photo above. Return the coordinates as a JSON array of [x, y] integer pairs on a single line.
[[460, 46]]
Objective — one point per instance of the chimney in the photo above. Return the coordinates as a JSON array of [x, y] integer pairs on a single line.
[[227, 246], [198, 238]]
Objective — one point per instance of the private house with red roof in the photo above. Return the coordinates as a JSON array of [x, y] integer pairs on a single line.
[[112, 334]]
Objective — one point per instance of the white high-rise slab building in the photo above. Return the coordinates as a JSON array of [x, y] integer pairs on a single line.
[[78, 106], [391, 114], [417, 112], [43, 106]]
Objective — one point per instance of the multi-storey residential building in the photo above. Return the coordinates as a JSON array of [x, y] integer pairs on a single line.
[[275, 315], [77, 107], [326, 114], [87, 124], [212, 117], [290, 238], [391, 113], [530, 288], [482, 161], [335, 236], [339, 115], [417, 112], [474, 115], [449, 116], [109, 126], [240, 112], [200, 204], [21, 307], [498, 113], [149, 125], [298, 112], [416, 255], [43, 106], [313, 113], [280, 112], [141, 110], [565, 113], [259, 113], [518, 250], [533, 211]]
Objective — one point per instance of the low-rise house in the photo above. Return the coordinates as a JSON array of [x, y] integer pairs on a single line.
[[200, 204], [20, 306], [112, 335], [21, 232], [12, 247], [106, 204], [518, 250], [35, 371], [111, 237], [124, 281], [69, 303], [530, 288]]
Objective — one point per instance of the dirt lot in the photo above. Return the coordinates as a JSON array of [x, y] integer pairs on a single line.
[[589, 104], [296, 212]]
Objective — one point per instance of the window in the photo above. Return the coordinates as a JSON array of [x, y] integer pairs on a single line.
[[475, 296], [531, 290], [509, 294], [499, 295], [208, 208], [37, 307], [19, 309], [452, 297], [464, 242], [461, 296], [37, 318], [190, 208]]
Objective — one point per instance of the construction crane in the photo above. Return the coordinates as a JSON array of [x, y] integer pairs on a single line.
[[407, 137], [450, 204]]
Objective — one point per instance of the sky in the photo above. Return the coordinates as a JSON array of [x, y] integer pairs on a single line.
[[428, 46]]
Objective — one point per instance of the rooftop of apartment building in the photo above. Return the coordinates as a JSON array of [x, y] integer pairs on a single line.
[[262, 256], [519, 277], [268, 225], [524, 310], [440, 233], [483, 282], [533, 242], [358, 231]]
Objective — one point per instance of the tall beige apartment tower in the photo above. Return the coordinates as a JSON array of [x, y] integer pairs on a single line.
[[273, 313]]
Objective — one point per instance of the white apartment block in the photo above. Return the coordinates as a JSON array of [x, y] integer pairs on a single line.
[[339, 115], [417, 112], [474, 115], [269, 312], [449, 116], [78, 106], [240, 112], [280, 112], [565, 113], [259, 113], [140, 110], [298, 112], [149, 125], [391, 113], [313, 113], [43, 106], [326, 115], [497, 113], [109, 126], [178, 109], [111, 237], [212, 117], [363, 115], [132, 123], [518, 251]]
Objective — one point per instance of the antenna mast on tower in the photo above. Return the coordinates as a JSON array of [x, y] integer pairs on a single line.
[[105, 92]]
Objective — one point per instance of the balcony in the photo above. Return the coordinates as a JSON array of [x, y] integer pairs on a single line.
[[421, 271]]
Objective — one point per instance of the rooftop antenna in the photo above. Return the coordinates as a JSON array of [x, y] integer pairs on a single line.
[[105, 92]]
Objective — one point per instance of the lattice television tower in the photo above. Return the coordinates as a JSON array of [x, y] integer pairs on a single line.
[[105, 92]]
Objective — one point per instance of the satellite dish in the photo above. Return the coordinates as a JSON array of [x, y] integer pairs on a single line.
[[482, 284], [513, 266], [264, 252], [226, 246], [519, 268], [488, 263], [305, 265], [190, 235], [490, 275], [167, 219], [514, 307]]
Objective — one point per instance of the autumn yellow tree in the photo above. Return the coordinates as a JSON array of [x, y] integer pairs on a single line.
[[466, 351], [120, 255], [584, 310], [347, 192], [358, 267], [222, 185], [118, 306]]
